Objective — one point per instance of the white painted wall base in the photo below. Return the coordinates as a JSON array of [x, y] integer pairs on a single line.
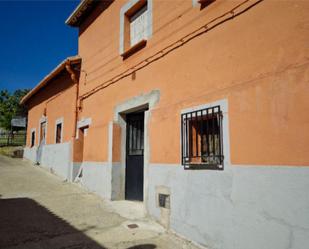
[[96, 177], [75, 170], [117, 184], [241, 207], [30, 153], [55, 157], [256, 207]]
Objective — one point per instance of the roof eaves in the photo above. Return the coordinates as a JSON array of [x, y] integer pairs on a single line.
[[83, 6], [73, 60]]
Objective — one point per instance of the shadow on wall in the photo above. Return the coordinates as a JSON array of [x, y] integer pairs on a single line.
[[205, 3], [27, 224]]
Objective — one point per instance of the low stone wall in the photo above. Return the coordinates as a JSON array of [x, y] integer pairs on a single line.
[[241, 207]]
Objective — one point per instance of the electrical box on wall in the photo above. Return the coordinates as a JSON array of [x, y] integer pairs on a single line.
[[164, 200]]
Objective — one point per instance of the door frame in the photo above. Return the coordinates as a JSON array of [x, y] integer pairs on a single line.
[[126, 167], [141, 102]]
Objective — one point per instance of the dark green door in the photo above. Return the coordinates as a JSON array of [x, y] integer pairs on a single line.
[[135, 157]]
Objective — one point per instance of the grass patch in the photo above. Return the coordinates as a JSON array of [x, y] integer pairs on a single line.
[[9, 150]]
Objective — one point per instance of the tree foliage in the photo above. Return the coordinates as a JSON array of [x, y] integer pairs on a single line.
[[10, 107]]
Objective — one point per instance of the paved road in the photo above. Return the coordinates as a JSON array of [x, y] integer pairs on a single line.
[[38, 210]]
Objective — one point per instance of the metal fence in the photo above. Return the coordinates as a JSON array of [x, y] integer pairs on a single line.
[[16, 138]]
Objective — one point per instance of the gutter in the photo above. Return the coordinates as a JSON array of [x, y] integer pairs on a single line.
[[76, 82], [51, 75]]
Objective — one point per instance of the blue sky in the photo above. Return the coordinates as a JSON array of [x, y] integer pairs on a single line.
[[33, 40]]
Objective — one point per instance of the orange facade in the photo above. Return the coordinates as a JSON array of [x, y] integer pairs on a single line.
[[55, 101], [131, 106], [261, 69]]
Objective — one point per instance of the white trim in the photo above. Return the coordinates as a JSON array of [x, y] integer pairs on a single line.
[[42, 120], [123, 10], [32, 130], [77, 10], [150, 99], [138, 26], [131, 105], [223, 103], [58, 121], [86, 132], [84, 122], [110, 142], [268, 167], [195, 3]]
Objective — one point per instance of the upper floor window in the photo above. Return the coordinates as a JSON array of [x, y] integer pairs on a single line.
[[202, 138], [135, 26], [138, 26]]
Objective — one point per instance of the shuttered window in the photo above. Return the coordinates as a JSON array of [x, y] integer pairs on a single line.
[[138, 26]]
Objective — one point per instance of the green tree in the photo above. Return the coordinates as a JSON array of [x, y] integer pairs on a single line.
[[10, 107]]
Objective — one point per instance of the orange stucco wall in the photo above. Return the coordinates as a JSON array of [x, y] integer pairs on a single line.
[[258, 61], [58, 98]]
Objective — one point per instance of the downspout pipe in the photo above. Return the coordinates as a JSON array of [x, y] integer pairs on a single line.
[[76, 82]]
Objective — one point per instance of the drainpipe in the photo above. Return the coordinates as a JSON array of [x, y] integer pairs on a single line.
[[75, 80]]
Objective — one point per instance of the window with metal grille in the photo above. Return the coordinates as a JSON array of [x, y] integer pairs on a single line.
[[32, 138], [135, 134], [58, 133], [201, 137]]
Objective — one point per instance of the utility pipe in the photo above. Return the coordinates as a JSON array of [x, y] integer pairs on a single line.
[[76, 82]]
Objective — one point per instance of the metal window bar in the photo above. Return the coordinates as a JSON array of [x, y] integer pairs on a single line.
[[135, 137], [201, 137]]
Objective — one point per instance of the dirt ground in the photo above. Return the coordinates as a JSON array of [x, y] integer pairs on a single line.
[[38, 210]]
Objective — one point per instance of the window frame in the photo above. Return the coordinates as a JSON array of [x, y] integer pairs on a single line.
[[127, 11], [43, 119], [140, 12], [223, 155], [32, 142], [59, 122], [202, 3]]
